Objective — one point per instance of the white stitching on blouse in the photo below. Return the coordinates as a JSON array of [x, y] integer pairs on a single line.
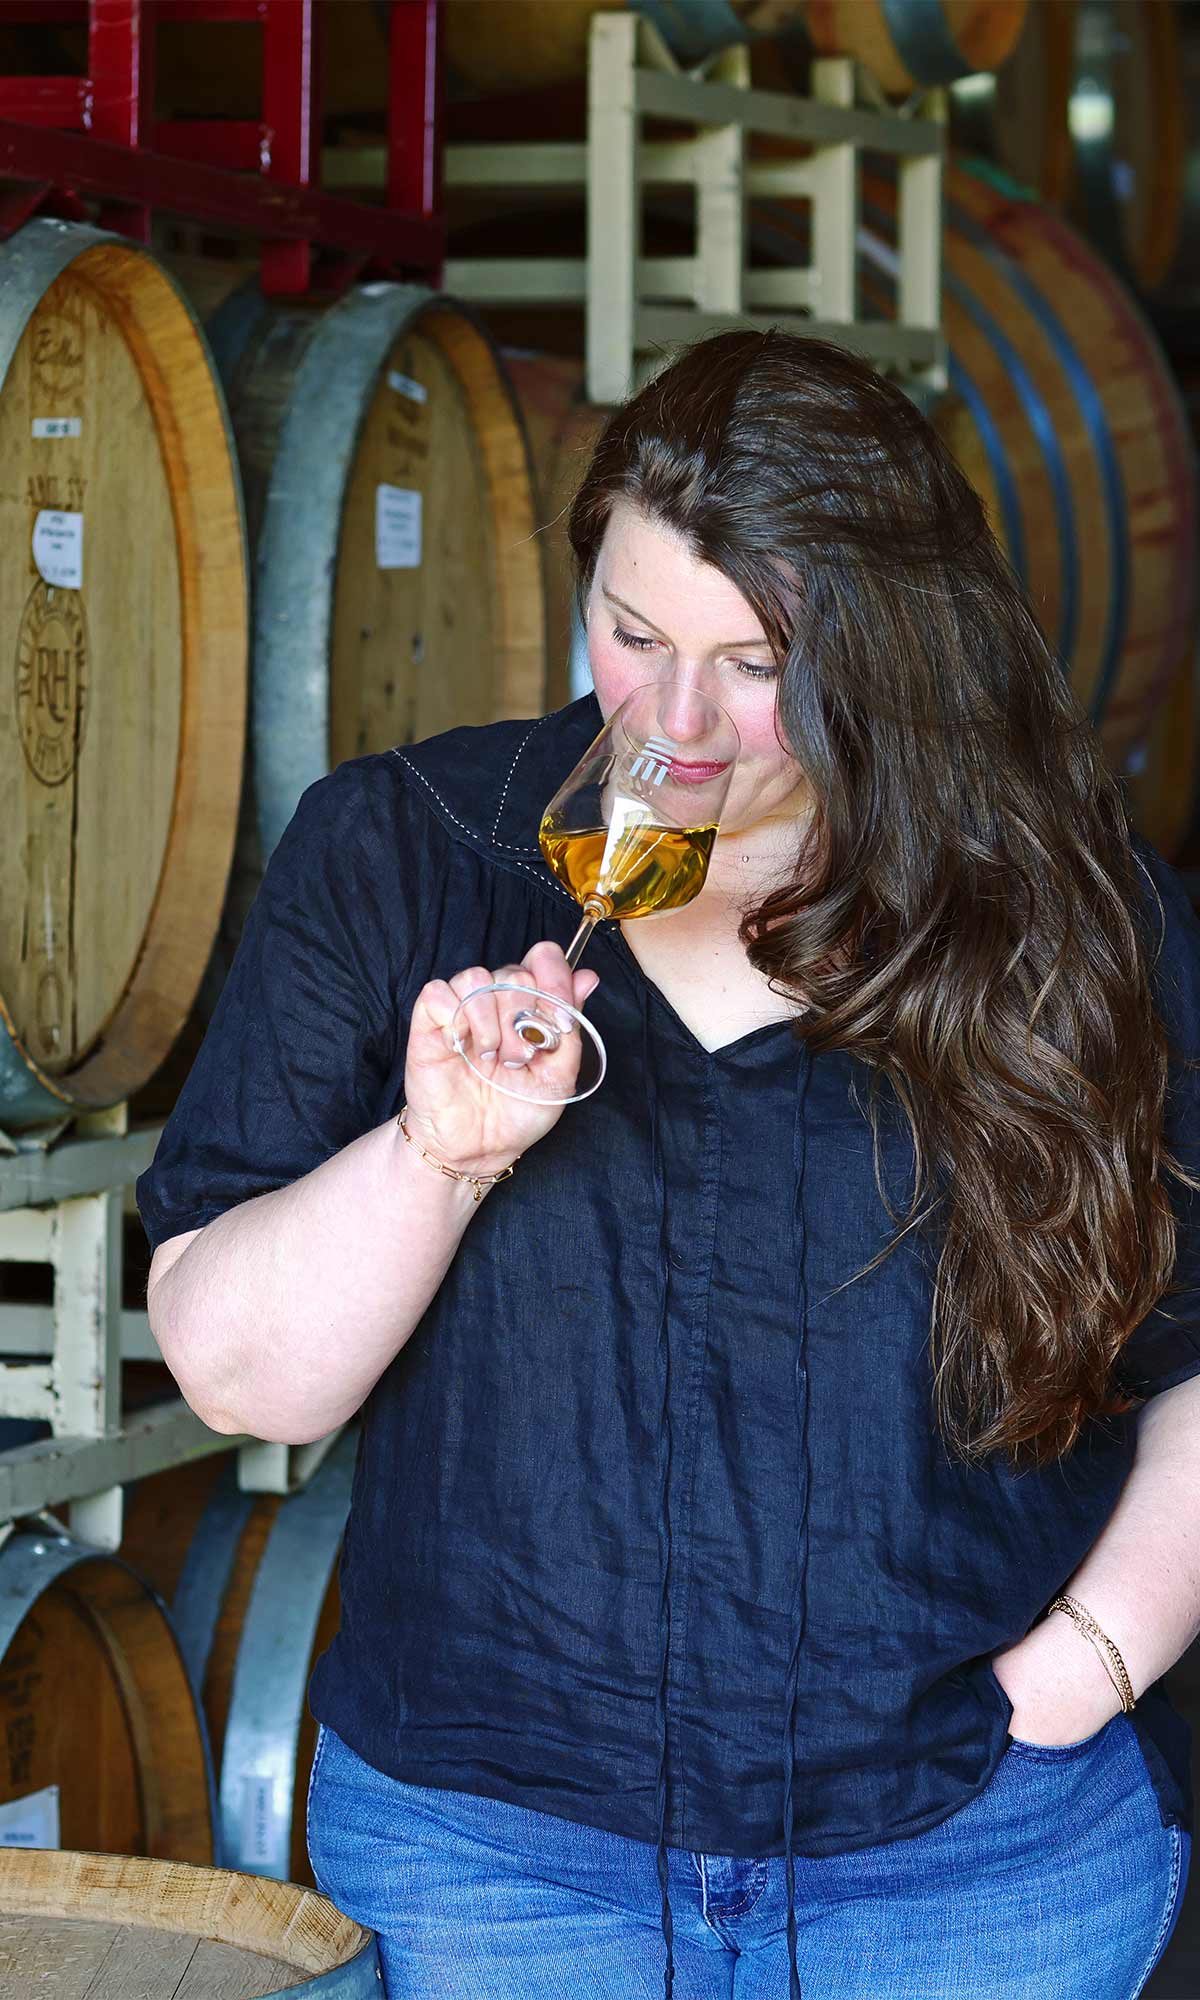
[[437, 795], [507, 782], [547, 881]]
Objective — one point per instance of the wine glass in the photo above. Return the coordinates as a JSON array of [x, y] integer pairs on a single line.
[[630, 833]]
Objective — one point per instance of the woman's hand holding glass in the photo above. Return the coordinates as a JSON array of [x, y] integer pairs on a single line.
[[451, 1112], [629, 833]]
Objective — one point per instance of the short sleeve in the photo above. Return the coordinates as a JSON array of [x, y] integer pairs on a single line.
[[1165, 1348], [303, 1039]]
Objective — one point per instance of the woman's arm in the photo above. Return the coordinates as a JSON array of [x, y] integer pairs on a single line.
[[1140, 1580], [279, 1317]]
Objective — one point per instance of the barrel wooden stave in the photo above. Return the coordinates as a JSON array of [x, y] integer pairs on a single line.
[[171, 1932], [120, 752], [131, 1761]]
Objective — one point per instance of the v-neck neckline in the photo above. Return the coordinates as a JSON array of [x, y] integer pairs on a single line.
[[610, 929]]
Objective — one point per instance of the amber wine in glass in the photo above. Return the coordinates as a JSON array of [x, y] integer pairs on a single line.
[[649, 869], [629, 833]]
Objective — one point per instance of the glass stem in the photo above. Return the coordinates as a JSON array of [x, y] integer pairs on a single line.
[[595, 908]]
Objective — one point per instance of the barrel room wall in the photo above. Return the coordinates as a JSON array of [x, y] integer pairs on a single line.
[[296, 318]]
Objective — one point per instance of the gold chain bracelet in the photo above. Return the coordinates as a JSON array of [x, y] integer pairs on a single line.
[[478, 1181], [1113, 1662]]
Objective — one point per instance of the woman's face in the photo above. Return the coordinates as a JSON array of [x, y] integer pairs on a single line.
[[656, 613]]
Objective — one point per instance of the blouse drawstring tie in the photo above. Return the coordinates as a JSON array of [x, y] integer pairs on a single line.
[[800, 1596], [664, 1517]]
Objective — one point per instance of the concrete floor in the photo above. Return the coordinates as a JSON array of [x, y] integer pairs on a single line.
[[1178, 1975]]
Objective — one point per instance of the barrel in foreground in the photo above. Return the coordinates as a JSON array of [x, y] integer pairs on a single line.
[[167, 1931]]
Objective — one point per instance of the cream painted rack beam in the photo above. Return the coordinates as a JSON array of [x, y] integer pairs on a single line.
[[63, 1206], [636, 307]]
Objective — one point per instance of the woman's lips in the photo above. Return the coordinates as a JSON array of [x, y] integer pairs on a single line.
[[694, 774]]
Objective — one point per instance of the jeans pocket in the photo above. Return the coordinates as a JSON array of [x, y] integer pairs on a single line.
[[318, 1753], [1181, 1853], [1058, 1753]]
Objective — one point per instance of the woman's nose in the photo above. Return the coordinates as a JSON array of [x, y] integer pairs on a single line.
[[686, 713]]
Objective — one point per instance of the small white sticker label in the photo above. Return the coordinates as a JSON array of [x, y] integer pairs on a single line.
[[397, 528], [58, 427], [31, 1821], [406, 385], [58, 548], [258, 1819]]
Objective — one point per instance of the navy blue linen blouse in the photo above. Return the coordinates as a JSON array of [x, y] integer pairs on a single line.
[[653, 1488]]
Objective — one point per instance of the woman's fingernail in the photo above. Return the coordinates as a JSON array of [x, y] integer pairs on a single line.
[[509, 1063], [488, 1055]]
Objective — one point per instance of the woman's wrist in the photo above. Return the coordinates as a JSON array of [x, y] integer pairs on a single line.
[[1059, 1694], [419, 1136]]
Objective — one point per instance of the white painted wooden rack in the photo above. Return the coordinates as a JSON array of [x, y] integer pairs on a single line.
[[639, 308], [61, 1204]]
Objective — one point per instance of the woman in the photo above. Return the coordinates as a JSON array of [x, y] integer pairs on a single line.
[[722, 1461]]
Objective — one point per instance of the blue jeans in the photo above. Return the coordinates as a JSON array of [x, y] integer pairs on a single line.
[[1058, 1880]]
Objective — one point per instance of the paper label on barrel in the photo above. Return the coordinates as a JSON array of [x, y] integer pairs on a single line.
[[58, 548], [58, 427], [259, 1821], [407, 385], [397, 528], [31, 1821]]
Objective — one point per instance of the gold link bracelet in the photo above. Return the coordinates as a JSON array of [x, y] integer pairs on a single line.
[[478, 1181], [1113, 1662]]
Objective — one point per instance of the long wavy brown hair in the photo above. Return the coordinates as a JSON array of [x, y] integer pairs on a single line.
[[967, 913]]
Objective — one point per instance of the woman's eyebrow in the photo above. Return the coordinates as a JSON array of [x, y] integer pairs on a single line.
[[728, 646]]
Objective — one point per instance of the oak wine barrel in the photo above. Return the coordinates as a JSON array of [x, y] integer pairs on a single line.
[[95, 1699], [251, 1580], [123, 614], [1066, 419], [499, 45], [389, 503], [77, 1923]]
